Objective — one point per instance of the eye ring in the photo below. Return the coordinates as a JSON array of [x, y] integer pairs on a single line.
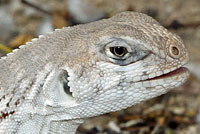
[[118, 51], [174, 51]]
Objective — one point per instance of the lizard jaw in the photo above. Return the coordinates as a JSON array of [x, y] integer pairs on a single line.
[[166, 81], [179, 71]]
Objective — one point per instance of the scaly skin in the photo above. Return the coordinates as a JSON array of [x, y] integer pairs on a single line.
[[56, 81]]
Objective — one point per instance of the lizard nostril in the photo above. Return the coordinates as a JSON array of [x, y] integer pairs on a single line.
[[174, 51]]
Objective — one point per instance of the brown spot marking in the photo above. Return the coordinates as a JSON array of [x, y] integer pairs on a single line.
[[4, 115], [18, 100]]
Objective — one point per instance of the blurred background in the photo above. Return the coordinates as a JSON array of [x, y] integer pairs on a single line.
[[177, 112]]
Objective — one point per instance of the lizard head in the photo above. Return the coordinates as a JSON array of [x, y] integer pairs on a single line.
[[130, 58]]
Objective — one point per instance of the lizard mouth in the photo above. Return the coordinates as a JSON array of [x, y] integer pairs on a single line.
[[177, 72]]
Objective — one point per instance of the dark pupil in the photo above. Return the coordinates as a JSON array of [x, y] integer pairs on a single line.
[[118, 51]]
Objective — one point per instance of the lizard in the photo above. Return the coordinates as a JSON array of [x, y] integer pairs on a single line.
[[56, 81]]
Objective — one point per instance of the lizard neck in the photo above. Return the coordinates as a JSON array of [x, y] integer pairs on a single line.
[[68, 127], [42, 125]]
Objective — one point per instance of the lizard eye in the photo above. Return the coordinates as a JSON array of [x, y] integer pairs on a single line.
[[118, 51], [122, 51]]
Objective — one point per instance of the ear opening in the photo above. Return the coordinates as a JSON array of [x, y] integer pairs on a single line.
[[64, 82], [57, 91]]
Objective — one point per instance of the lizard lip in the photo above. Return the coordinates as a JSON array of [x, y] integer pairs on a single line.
[[179, 71]]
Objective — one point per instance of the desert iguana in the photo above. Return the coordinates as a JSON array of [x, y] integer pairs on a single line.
[[53, 83]]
